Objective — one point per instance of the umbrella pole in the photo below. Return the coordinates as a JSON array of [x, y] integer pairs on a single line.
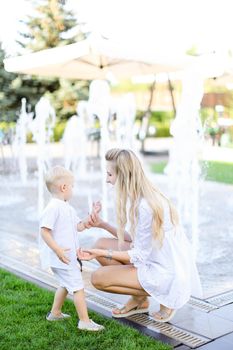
[[170, 87], [146, 117]]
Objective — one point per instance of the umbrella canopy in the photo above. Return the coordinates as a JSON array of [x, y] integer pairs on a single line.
[[94, 58]]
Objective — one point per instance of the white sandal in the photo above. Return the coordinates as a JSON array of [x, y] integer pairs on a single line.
[[125, 312], [165, 316], [135, 310]]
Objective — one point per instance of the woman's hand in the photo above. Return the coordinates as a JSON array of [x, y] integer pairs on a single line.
[[96, 207], [89, 254]]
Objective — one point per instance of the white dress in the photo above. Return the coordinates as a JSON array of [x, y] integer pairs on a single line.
[[168, 273]]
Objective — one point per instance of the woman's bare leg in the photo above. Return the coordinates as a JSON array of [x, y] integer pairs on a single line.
[[110, 243], [138, 296], [120, 279]]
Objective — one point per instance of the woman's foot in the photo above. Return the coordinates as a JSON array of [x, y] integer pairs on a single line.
[[164, 314], [135, 305]]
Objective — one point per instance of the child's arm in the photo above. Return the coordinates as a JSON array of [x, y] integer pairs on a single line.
[[82, 225], [96, 221], [85, 223], [46, 234]]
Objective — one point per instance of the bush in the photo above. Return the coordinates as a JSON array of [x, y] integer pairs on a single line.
[[162, 129], [6, 126], [161, 120], [161, 116], [58, 131]]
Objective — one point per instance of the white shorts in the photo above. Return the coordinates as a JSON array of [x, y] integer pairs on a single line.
[[71, 280]]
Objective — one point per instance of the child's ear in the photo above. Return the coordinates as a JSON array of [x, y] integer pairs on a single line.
[[63, 187]]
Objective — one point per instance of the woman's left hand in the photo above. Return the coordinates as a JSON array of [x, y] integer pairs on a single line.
[[88, 254]]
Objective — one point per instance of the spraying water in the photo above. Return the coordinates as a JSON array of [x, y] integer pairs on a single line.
[[99, 105], [42, 132], [20, 140], [183, 167]]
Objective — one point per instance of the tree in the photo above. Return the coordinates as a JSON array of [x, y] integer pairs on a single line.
[[52, 25], [8, 101], [14, 87]]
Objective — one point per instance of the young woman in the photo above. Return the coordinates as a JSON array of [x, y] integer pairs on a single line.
[[154, 258]]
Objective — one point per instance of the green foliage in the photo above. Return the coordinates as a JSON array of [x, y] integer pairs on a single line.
[[5, 126], [23, 324], [8, 99], [50, 26], [14, 87], [161, 116], [65, 99], [161, 120], [207, 114], [58, 131], [162, 129]]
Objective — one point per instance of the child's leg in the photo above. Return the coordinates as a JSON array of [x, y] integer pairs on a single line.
[[80, 305], [58, 301]]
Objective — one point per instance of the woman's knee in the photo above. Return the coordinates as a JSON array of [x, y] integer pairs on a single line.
[[103, 243], [97, 279]]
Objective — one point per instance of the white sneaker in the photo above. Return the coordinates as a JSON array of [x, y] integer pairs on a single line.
[[90, 326], [51, 317]]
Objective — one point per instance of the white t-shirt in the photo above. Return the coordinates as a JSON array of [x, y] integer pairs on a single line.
[[60, 217]]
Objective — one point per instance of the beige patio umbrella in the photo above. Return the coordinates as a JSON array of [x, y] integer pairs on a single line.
[[95, 58]]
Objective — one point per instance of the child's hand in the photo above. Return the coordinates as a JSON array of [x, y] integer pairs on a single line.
[[86, 222], [94, 220], [61, 254], [96, 207]]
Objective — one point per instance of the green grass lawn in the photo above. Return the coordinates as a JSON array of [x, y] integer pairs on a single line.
[[212, 171], [23, 325]]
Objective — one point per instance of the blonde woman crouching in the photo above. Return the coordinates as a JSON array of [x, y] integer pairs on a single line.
[[154, 258]]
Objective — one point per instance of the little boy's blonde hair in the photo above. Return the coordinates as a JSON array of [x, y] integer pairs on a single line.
[[55, 176]]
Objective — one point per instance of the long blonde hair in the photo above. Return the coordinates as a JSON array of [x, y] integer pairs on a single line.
[[132, 184]]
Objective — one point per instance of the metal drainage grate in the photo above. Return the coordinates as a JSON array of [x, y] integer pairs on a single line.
[[202, 305], [190, 339], [222, 299], [99, 300]]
